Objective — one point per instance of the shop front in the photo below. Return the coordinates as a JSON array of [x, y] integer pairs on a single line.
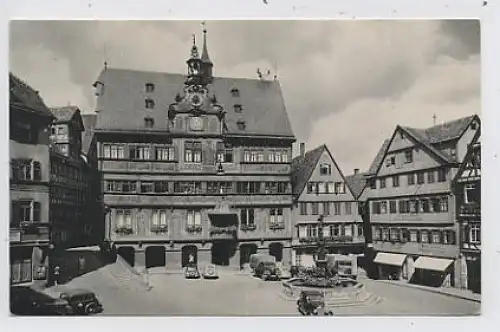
[[435, 272], [389, 265]]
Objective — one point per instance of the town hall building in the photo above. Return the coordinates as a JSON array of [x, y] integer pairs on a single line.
[[194, 168]]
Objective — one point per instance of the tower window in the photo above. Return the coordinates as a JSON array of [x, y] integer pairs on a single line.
[[241, 125], [238, 108], [150, 87], [235, 92], [149, 122], [149, 103], [473, 126]]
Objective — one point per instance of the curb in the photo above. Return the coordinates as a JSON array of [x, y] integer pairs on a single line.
[[430, 290]]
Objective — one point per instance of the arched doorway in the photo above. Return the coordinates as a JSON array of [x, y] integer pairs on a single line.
[[155, 256], [189, 255], [128, 254], [246, 250], [222, 251], [276, 250]]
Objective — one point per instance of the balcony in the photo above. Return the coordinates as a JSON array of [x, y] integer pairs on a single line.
[[470, 211], [124, 230], [223, 233], [194, 229], [29, 231]]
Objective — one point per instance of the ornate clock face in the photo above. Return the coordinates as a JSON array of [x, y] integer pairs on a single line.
[[196, 123], [196, 100]]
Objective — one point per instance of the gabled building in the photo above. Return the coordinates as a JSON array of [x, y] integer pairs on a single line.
[[196, 168], [467, 188], [29, 183], [412, 207], [320, 189]]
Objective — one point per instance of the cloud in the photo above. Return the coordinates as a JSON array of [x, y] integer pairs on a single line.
[[360, 77]]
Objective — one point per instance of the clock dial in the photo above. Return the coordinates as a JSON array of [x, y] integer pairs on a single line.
[[196, 100]]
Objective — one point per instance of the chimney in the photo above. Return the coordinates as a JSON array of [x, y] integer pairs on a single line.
[[356, 171], [302, 149]]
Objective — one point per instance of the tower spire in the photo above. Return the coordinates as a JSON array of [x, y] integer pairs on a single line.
[[204, 55]]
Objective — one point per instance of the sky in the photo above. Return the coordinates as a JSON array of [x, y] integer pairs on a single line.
[[346, 84]]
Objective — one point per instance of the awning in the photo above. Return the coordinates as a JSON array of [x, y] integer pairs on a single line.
[[433, 264], [390, 259]]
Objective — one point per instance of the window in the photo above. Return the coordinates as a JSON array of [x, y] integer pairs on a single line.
[[315, 208], [165, 153], [311, 188], [149, 122], [395, 234], [139, 152], [377, 233], [436, 237], [334, 230], [26, 170], [194, 218], [472, 194], [326, 208], [330, 189], [149, 103], [238, 108], [321, 187], [339, 188], [411, 179], [336, 208], [159, 218], [247, 217], [383, 207], [276, 216], [360, 230], [395, 180], [251, 187], [385, 234], [393, 206], [413, 236], [188, 187], [420, 177], [382, 183], [192, 152], [161, 186], [235, 92], [303, 208], [441, 175], [224, 152], [113, 151], [129, 186], [150, 87], [373, 183], [449, 237], [348, 208], [21, 269], [241, 125], [443, 204], [430, 177], [23, 132], [424, 236], [219, 188], [123, 219], [25, 211], [325, 169], [408, 156], [147, 187]]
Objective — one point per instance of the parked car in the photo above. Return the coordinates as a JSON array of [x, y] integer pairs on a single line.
[[82, 301], [312, 302], [267, 271], [256, 259], [192, 272], [28, 302], [210, 272]]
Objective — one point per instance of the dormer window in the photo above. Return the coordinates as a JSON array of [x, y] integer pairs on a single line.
[[473, 125], [241, 125], [99, 88], [150, 87], [149, 103], [149, 122], [235, 92], [238, 108]]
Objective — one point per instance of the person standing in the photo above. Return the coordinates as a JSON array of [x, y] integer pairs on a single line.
[[57, 273]]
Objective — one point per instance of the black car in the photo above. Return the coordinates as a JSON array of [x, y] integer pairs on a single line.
[[81, 301], [25, 301], [267, 271], [192, 272], [312, 302]]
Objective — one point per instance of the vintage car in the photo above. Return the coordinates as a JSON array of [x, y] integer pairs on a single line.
[[312, 302], [267, 271], [26, 301], [82, 301], [192, 272], [210, 272]]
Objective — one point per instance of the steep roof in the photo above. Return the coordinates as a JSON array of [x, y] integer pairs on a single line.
[[89, 122], [357, 183], [429, 138], [121, 105], [22, 94], [302, 168], [68, 113]]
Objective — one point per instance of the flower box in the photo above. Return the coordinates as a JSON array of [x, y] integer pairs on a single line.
[[223, 230], [274, 226], [248, 227], [159, 229], [194, 229], [124, 230]]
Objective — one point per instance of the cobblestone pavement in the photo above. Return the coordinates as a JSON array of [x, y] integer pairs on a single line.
[[244, 295]]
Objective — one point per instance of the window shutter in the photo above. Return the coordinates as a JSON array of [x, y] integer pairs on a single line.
[[36, 211], [37, 171]]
